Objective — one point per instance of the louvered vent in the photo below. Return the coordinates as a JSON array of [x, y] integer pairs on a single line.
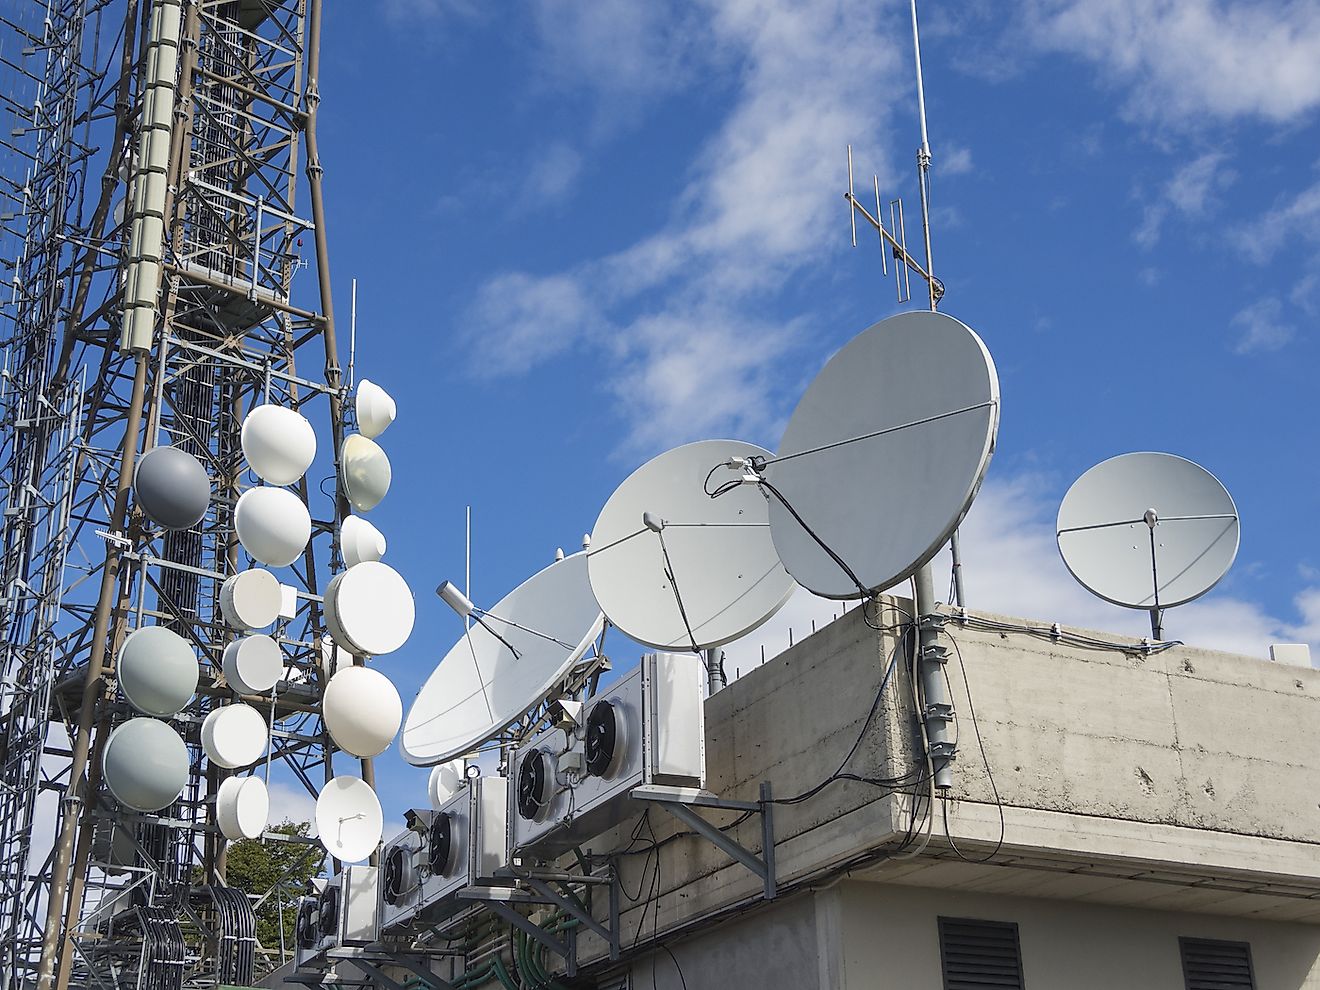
[[978, 955], [1213, 965]]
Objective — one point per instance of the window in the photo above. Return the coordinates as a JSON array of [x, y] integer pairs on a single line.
[[977, 955], [1213, 965]]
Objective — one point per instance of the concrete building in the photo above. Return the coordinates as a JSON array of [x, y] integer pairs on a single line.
[[1160, 814]]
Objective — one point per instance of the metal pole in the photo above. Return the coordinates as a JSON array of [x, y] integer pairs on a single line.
[[715, 679], [93, 686]]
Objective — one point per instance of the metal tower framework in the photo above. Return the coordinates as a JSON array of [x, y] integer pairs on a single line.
[[113, 345]]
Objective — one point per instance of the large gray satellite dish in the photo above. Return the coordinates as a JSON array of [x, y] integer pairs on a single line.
[[157, 671], [172, 487], [505, 664], [1148, 530], [145, 764], [883, 455], [673, 567]]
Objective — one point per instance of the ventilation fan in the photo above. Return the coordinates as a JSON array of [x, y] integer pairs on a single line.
[[306, 927], [400, 874], [440, 846], [604, 739], [328, 913], [535, 784]]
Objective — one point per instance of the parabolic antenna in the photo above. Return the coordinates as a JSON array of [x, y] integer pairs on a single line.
[[242, 807], [253, 664], [375, 409], [362, 710], [883, 455], [1148, 530], [349, 820], [279, 444], [234, 736], [172, 487], [360, 541], [504, 664], [145, 764], [676, 569], [250, 599], [365, 471], [369, 609], [273, 525], [157, 671], [444, 782]]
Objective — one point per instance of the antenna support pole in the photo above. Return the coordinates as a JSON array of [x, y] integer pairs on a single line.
[[937, 710], [715, 679]]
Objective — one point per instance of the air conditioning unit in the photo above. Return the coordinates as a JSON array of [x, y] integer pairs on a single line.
[[569, 785], [347, 910], [460, 845], [307, 932]]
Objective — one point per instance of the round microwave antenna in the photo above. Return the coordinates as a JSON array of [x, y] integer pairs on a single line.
[[444, 782], [250, 599], [279, 444], [242, 807], [1148, 530], [362, 710], [369, 609], [145, 764], [365, 471], [234, 736], [360, 541], [253, 664], [172, 487], [349, 820], [507, 662], [883, 455], [375, 409], [673, 567], [157, 671], [273, 525]]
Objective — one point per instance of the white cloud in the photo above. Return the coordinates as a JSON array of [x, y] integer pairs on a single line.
[[1190, 192], [678, 314], [1262, 327], [953, 160], [1184, 61], [1297, 217], [553, 174]]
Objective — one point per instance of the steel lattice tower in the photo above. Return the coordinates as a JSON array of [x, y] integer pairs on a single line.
[[156, 155]]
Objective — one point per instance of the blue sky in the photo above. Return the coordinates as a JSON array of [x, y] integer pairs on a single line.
[[585, 233]]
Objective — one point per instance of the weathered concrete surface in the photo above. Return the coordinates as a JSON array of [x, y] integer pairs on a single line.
[[1188, 779]]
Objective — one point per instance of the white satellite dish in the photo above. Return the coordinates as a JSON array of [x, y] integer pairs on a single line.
[[157, 671], [444, 782], [279, 444], [375, 409], [349, 820], [1148, 530], [883, 455], [360, 541], [251, 599], [253, 664], [234, 736], [362, 711], [242, 807], [369, 609], [676, 569], [507, 662], [365, 471], [145, 764], [273, 525]]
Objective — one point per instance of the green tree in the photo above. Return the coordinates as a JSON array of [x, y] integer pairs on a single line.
[[254, 867]]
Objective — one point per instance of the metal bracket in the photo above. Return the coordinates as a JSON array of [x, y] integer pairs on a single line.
[[680, 806]]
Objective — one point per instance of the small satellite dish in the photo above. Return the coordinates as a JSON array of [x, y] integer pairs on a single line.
[[234, 736], [375, 409], [360, 541], [349, 820], [676, 569], [1148, 530], [279, 444], [883, 455], [365, 471], [145, 764], [369, 609], [172, 487], [506, 663], [250, 599], [444, 782], [253, 664], [157, 671], [273, 525], [242, 807], [362, 711]]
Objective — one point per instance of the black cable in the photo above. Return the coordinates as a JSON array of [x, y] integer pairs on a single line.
[[999, 803], [852, 575], [673, 582], [681, 979], [482, 622]]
